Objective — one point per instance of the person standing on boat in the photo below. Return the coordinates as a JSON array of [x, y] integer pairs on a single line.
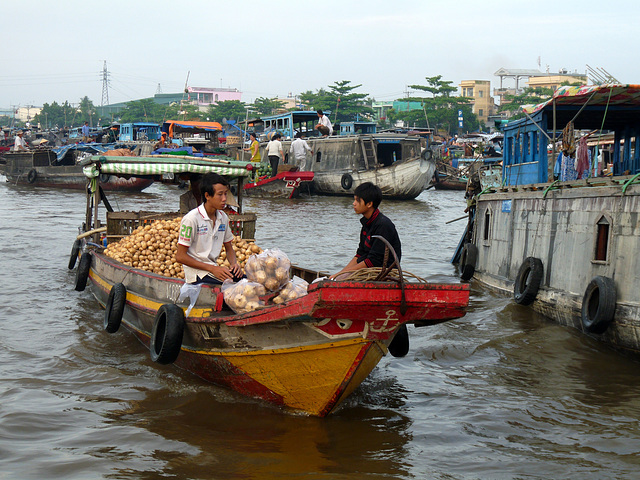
[[324, 124], [85, 132], [19, 143], [254, 148], [203, 233], [370, 253], [275, 153], [299, 149]]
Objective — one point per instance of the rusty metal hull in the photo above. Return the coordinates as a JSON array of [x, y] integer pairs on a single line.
[[560, 227], [308, 354]]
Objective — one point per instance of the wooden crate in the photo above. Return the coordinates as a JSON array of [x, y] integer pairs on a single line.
[[121, 224]]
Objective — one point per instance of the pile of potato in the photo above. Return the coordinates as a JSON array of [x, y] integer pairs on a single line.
[[270, 268], [243, 248], [153, 248]]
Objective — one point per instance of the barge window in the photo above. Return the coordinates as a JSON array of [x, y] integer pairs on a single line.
[[602, 240], [487, 224]]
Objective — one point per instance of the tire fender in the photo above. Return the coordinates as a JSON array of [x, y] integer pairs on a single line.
[[399, 346], [528, 281], [346, 182], [468, 259], [32, 175], [82, 273], [599, 305], [115, 308], [166, 336], [75, 250]]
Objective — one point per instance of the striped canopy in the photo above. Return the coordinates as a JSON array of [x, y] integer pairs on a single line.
[[593, 94], [159, 165]]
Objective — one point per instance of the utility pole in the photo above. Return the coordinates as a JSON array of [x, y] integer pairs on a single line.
[[105, 85]]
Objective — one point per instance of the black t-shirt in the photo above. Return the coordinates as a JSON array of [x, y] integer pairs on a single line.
[[371, 250]]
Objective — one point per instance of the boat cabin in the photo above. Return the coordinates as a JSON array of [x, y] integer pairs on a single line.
[[193, 133], [607, 112], [288, 124], [139, 132]]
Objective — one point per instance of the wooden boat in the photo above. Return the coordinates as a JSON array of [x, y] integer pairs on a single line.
[[306, 354], [283, 185], [400, 164], [42, 168], [568, 248]]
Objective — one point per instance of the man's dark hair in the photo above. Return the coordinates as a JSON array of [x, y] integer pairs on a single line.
[[209, 180], [319, 112], [368, 192]]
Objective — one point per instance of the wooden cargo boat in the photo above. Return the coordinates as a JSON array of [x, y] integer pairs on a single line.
[[42, 168], [306, 354], [283, 185], [400, 164], [568, 248]]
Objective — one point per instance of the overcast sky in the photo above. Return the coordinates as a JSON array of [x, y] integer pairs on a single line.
[[56, 50]]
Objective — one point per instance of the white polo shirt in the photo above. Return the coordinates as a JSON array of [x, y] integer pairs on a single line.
[[204, 237]]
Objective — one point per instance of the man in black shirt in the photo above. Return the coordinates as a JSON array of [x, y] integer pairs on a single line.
[[370, 253]]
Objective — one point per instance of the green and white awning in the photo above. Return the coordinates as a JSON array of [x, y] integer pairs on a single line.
[[143, 166]]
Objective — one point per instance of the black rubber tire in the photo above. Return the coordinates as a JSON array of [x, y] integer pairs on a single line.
[[528, 281], [166, 337], [399, 346], [468, 259], [599, 305], [346, 182], [32, 175], [115, 308], [82, 273], [75, 250]]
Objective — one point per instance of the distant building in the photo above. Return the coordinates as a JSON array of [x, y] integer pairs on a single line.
[[482, 103], [202, 97], [534, 79], [554, 80], [381, 109]]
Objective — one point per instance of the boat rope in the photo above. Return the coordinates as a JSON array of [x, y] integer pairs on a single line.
[[595, 157], [371, 274]]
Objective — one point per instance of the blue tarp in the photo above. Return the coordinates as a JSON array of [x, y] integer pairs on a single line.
[[94, 148]]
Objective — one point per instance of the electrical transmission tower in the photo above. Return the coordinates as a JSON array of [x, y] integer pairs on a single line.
[[105, 85]]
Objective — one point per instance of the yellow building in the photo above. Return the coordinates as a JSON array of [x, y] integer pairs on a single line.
[[554, 80], [479, 91]]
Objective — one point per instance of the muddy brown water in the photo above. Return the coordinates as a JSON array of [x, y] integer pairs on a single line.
[[500, 393]]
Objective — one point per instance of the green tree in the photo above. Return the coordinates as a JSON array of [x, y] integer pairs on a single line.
[[229, 109], [440, 110], [267, 106], [344, 104], [54, 114], [529, 96]]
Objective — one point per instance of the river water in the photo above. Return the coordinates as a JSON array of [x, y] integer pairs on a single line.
[[500, 393]]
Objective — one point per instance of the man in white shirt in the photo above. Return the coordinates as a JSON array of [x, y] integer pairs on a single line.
[[324, 124], [299, 149], [275, 153], [203, 233], [20, 144]]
